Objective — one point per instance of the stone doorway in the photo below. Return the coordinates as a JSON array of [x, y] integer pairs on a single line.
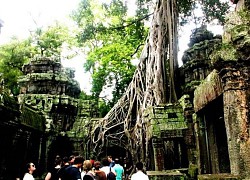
[[175, 154], [116, 152], [213, 147], [61, 146]]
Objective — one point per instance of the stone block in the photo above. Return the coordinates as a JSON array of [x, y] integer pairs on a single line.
[[166, 175], [221, 176]]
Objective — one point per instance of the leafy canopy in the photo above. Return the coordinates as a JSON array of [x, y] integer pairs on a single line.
[[112, 39], [12, 57]]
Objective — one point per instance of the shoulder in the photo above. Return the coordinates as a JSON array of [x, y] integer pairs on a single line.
[[88, 177], [28, 176]]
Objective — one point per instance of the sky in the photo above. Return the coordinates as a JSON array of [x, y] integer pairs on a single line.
[[21, 16]]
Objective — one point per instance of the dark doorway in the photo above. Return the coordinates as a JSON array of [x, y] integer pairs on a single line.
[[61, 146], [213, 139], [175, 154], [115, 152]]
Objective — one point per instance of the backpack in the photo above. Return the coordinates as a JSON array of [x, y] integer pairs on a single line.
[[111, 175]]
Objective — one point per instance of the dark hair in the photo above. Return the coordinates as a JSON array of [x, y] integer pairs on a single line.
[[139, 165], [65, 159], [58, 161], [78, 160], [71, 157], [117, 161], [105, 162], [97, 165], [28, 166]]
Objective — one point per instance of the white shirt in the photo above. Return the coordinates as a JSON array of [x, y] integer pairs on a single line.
[[106, 169], [28, 176], [139, 176]]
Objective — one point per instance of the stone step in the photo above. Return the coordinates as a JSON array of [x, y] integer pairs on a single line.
[[221, 176], [166, 175]]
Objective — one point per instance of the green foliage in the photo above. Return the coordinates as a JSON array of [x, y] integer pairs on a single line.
[[85, 96], [211, 10], [12, 57], [103, 107], [112, 39], [50, 41], [215, 9]]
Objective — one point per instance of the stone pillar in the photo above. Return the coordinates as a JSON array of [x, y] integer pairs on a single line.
[[158, 154], [236, 102]]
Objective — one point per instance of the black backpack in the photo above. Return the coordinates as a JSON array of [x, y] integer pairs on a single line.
[[111, 175]]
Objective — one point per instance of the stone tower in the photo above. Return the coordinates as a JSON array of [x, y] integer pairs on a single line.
[[51, 90]]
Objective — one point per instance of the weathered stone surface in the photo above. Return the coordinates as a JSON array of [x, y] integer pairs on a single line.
[[196, 62], [50, 88], [166, 175], [231, 60], [218, 177], [165, 118], [207, 91]]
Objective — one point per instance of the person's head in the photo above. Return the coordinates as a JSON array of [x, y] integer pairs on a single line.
[[78, 162], [65, 160], [117, 161], [87, 165], [30, 167], [139, 166], [97, 165], [105, 162], [71, 159], [58, 161], [110, 158]]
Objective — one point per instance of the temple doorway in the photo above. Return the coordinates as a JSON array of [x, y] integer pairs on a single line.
[[214, 157]]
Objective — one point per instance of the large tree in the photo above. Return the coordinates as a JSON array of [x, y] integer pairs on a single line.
[[153, 82]]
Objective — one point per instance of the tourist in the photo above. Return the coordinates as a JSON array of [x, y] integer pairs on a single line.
[[118, 169], [71, 159], [111, 162], [53, 172], [73, 172], [106, 168], [65, 164], [100, 175], [139, 175], [127, 167], [88, 173], [30, 168]]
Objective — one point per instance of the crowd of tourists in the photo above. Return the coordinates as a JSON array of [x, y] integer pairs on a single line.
[[77, 168]]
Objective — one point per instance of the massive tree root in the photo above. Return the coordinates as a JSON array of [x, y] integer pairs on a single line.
[[152, 84]]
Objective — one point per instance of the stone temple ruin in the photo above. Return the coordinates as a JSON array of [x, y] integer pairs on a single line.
[[205, 135], [40, 124]]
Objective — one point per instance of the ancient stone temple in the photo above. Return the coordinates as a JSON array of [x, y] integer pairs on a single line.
[[221, 102], [46, 119], [203, 135], [207, 131], [51, 90], [171, 125], [21, 136]]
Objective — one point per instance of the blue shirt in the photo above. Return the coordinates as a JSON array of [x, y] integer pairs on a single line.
[[119, 171]]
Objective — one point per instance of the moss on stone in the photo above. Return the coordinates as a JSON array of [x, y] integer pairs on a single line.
[[227, 52], [193, 170]]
